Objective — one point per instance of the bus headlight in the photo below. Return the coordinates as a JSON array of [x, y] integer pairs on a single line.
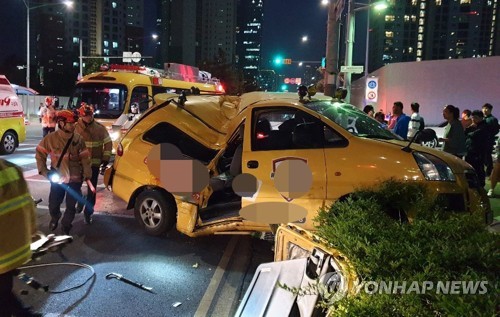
[[433, 168]]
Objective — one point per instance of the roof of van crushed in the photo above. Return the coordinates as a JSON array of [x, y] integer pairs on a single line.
[[261, 96]]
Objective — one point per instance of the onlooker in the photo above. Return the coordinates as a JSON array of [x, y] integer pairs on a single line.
[[48, 114], [368, 109], [70, 162], [454, 135], [466, 119], [99, 144], [416, 122], [380, 117], [493, 128], [40, 112], [476, 144], [401, 121], [17, 226], [495, 174]]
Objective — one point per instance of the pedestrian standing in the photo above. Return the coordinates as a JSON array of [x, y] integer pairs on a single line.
[[69, 166], [368, 109], [466, 118], [401, 121], [454, 135], [493, 128], [416, 121], [99, 144], [48, 114], [476, 143], [17, 226]]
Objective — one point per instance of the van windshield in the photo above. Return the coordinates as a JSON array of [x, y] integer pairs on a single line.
[[107, 99], [351, 119]]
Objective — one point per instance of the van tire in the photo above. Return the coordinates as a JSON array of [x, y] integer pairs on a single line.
[[155, 213], [8, 143]]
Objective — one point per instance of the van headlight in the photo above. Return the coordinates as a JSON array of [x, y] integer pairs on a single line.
[[433, 168]]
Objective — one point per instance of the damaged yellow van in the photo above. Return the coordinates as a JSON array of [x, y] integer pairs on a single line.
[[257, 132]]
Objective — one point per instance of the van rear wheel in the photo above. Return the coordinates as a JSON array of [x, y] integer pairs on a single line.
[[8, 143], [155, 213]]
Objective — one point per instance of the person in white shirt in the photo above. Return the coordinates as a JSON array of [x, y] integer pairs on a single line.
[[415, 121]]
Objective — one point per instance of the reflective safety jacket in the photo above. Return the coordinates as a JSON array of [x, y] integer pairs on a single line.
[[97, 140], [48, 115], [75, 165], [17, 218]]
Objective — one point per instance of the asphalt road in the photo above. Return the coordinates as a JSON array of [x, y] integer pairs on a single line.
[[190, 277]]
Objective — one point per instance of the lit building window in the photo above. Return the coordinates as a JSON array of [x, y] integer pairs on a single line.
[[413, 18], [420, 29], [389, 34], [438, 2], [390, 18], [75, 64], [419, 52], [464, 1], [420, 45], [410, 49], [419, 59], [421, 22], [422, 13], [406, 18], [413, 2], [106, 43], [115, 45], [76, 40], [114, 5], [420, 37], [422, 5]]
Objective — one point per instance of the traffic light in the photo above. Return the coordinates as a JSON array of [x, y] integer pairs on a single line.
[[287, 61], [278, 60], [284, 87]]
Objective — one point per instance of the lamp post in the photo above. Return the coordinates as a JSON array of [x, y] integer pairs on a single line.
[[351, 10], [68, 4]]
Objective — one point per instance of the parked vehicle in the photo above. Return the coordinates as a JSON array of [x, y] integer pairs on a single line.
[[342, 146], [12, 129]]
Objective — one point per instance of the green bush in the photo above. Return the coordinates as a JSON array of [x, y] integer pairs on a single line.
[[436, 246]]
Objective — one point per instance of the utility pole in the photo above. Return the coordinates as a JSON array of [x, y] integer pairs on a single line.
[[335, 9]]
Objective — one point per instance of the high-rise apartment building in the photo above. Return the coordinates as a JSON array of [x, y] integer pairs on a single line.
[[250, 15], [416, 30]]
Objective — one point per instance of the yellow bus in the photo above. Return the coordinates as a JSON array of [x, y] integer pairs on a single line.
[[120, 93]]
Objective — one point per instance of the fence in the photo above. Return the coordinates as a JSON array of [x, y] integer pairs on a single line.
[[32, 102]]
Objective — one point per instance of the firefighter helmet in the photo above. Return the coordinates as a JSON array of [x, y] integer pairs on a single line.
[[66, 116], [49, 101], [85, 110]]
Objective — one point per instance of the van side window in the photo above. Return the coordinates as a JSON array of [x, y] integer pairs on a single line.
[[166, 133], [140, 96], [286, 129]]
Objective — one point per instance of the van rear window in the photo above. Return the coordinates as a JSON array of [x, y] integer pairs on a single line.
[[164, 132]]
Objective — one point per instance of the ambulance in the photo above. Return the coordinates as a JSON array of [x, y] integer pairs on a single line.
[[121, 93], [12, 128]]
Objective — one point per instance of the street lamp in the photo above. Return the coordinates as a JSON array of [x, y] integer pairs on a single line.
[[351, 10], [68, 4]]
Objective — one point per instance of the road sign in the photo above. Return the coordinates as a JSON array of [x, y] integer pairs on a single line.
[[287, 61], [371, 89], [352, 69]]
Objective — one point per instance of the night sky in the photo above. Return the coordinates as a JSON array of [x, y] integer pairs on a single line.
[[285, 22]]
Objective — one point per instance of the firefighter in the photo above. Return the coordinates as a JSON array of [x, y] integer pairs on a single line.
[[70, 165], [17, 226], [99, 143], [48, 115]]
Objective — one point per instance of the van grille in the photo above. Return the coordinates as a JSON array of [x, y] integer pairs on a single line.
[[451, 202]]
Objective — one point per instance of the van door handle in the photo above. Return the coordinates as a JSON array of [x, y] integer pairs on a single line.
[[253, 164]]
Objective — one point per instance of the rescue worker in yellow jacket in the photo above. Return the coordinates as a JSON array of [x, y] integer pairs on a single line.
[[48, 115], [99, 144], [74, 167], [17, 226]]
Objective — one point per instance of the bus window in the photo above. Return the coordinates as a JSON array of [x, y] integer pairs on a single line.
[[108, 100], [140, 96]]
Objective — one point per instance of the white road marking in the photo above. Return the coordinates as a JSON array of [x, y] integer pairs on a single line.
[[30, 173], [25, 148], [208, 297]]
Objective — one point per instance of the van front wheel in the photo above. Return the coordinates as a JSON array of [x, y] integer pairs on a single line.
[[8, 143], [154, 212]]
